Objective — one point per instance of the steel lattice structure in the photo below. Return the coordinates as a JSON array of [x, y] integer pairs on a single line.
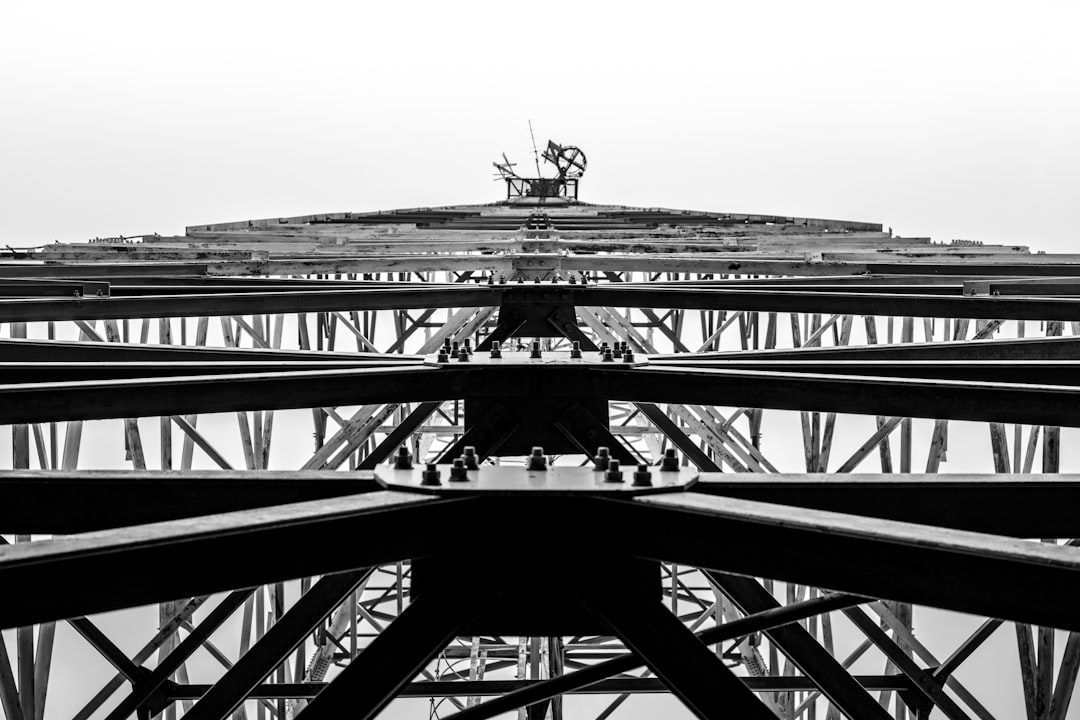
[[729, 567]]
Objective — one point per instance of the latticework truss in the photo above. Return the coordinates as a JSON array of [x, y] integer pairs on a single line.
[[272, 410]]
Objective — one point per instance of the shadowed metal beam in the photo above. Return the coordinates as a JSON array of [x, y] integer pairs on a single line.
[[678, 438], [405, 428], [924, 680], [939, 567], [53, 372], [1046, 348], [270, 650], [49, 502], [182, 558], [401, 650], [803, 650], [219, 393], [693, 672], [945, 399], [249, 303], [858, 303], [1042, 372], [145, 689], [481, 688], [390, 298], [1027, 506], [587, 677], [22, 350]]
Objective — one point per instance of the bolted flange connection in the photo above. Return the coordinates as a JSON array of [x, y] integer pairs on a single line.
[[628, 355], [613, 474], [642, 477], [537, 460], [403, 459], [458, 471], [603, 457], [670, 461], [431, 475], [607, 355]]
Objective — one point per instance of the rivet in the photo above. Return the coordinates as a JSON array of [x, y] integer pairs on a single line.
[[431, 475], [536, 460], [603, 457], [403, 459], [670, 461], [575, 350], [472, 460], [496, 350], [458, 471], [613, 474], [642, 478]]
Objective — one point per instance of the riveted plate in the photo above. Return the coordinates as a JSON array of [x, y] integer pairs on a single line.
[[519, 481]]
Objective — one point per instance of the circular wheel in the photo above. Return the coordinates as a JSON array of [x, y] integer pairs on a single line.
[[570, 161]]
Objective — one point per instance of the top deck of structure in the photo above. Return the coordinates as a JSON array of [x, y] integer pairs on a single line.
[[565, 216], [555, 238]]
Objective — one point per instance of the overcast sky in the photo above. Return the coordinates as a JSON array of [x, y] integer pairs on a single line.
[[941, 119]]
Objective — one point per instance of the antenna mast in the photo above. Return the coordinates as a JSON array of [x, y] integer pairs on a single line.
[[536, 153]]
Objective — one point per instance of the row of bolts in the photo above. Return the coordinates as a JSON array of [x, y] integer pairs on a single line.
[[536, 461], [463, 350], [536, 280]]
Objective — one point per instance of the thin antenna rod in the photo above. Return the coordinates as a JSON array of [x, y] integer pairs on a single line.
[[536, 153]]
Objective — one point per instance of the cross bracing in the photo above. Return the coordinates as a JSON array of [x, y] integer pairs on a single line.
[[288, 360]]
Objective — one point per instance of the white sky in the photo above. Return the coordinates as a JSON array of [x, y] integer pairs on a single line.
[[943, 119], [954, 120]]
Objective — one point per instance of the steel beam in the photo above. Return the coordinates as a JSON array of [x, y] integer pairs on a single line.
[[939, 567], [693, 673], [145, 689], [803, 650], [273, 647], [67, 502], [587, 677], [1033, 402], [395, 438], [400, 651], [1000, 504], [182, 558], [489, 688], [225, 304]]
